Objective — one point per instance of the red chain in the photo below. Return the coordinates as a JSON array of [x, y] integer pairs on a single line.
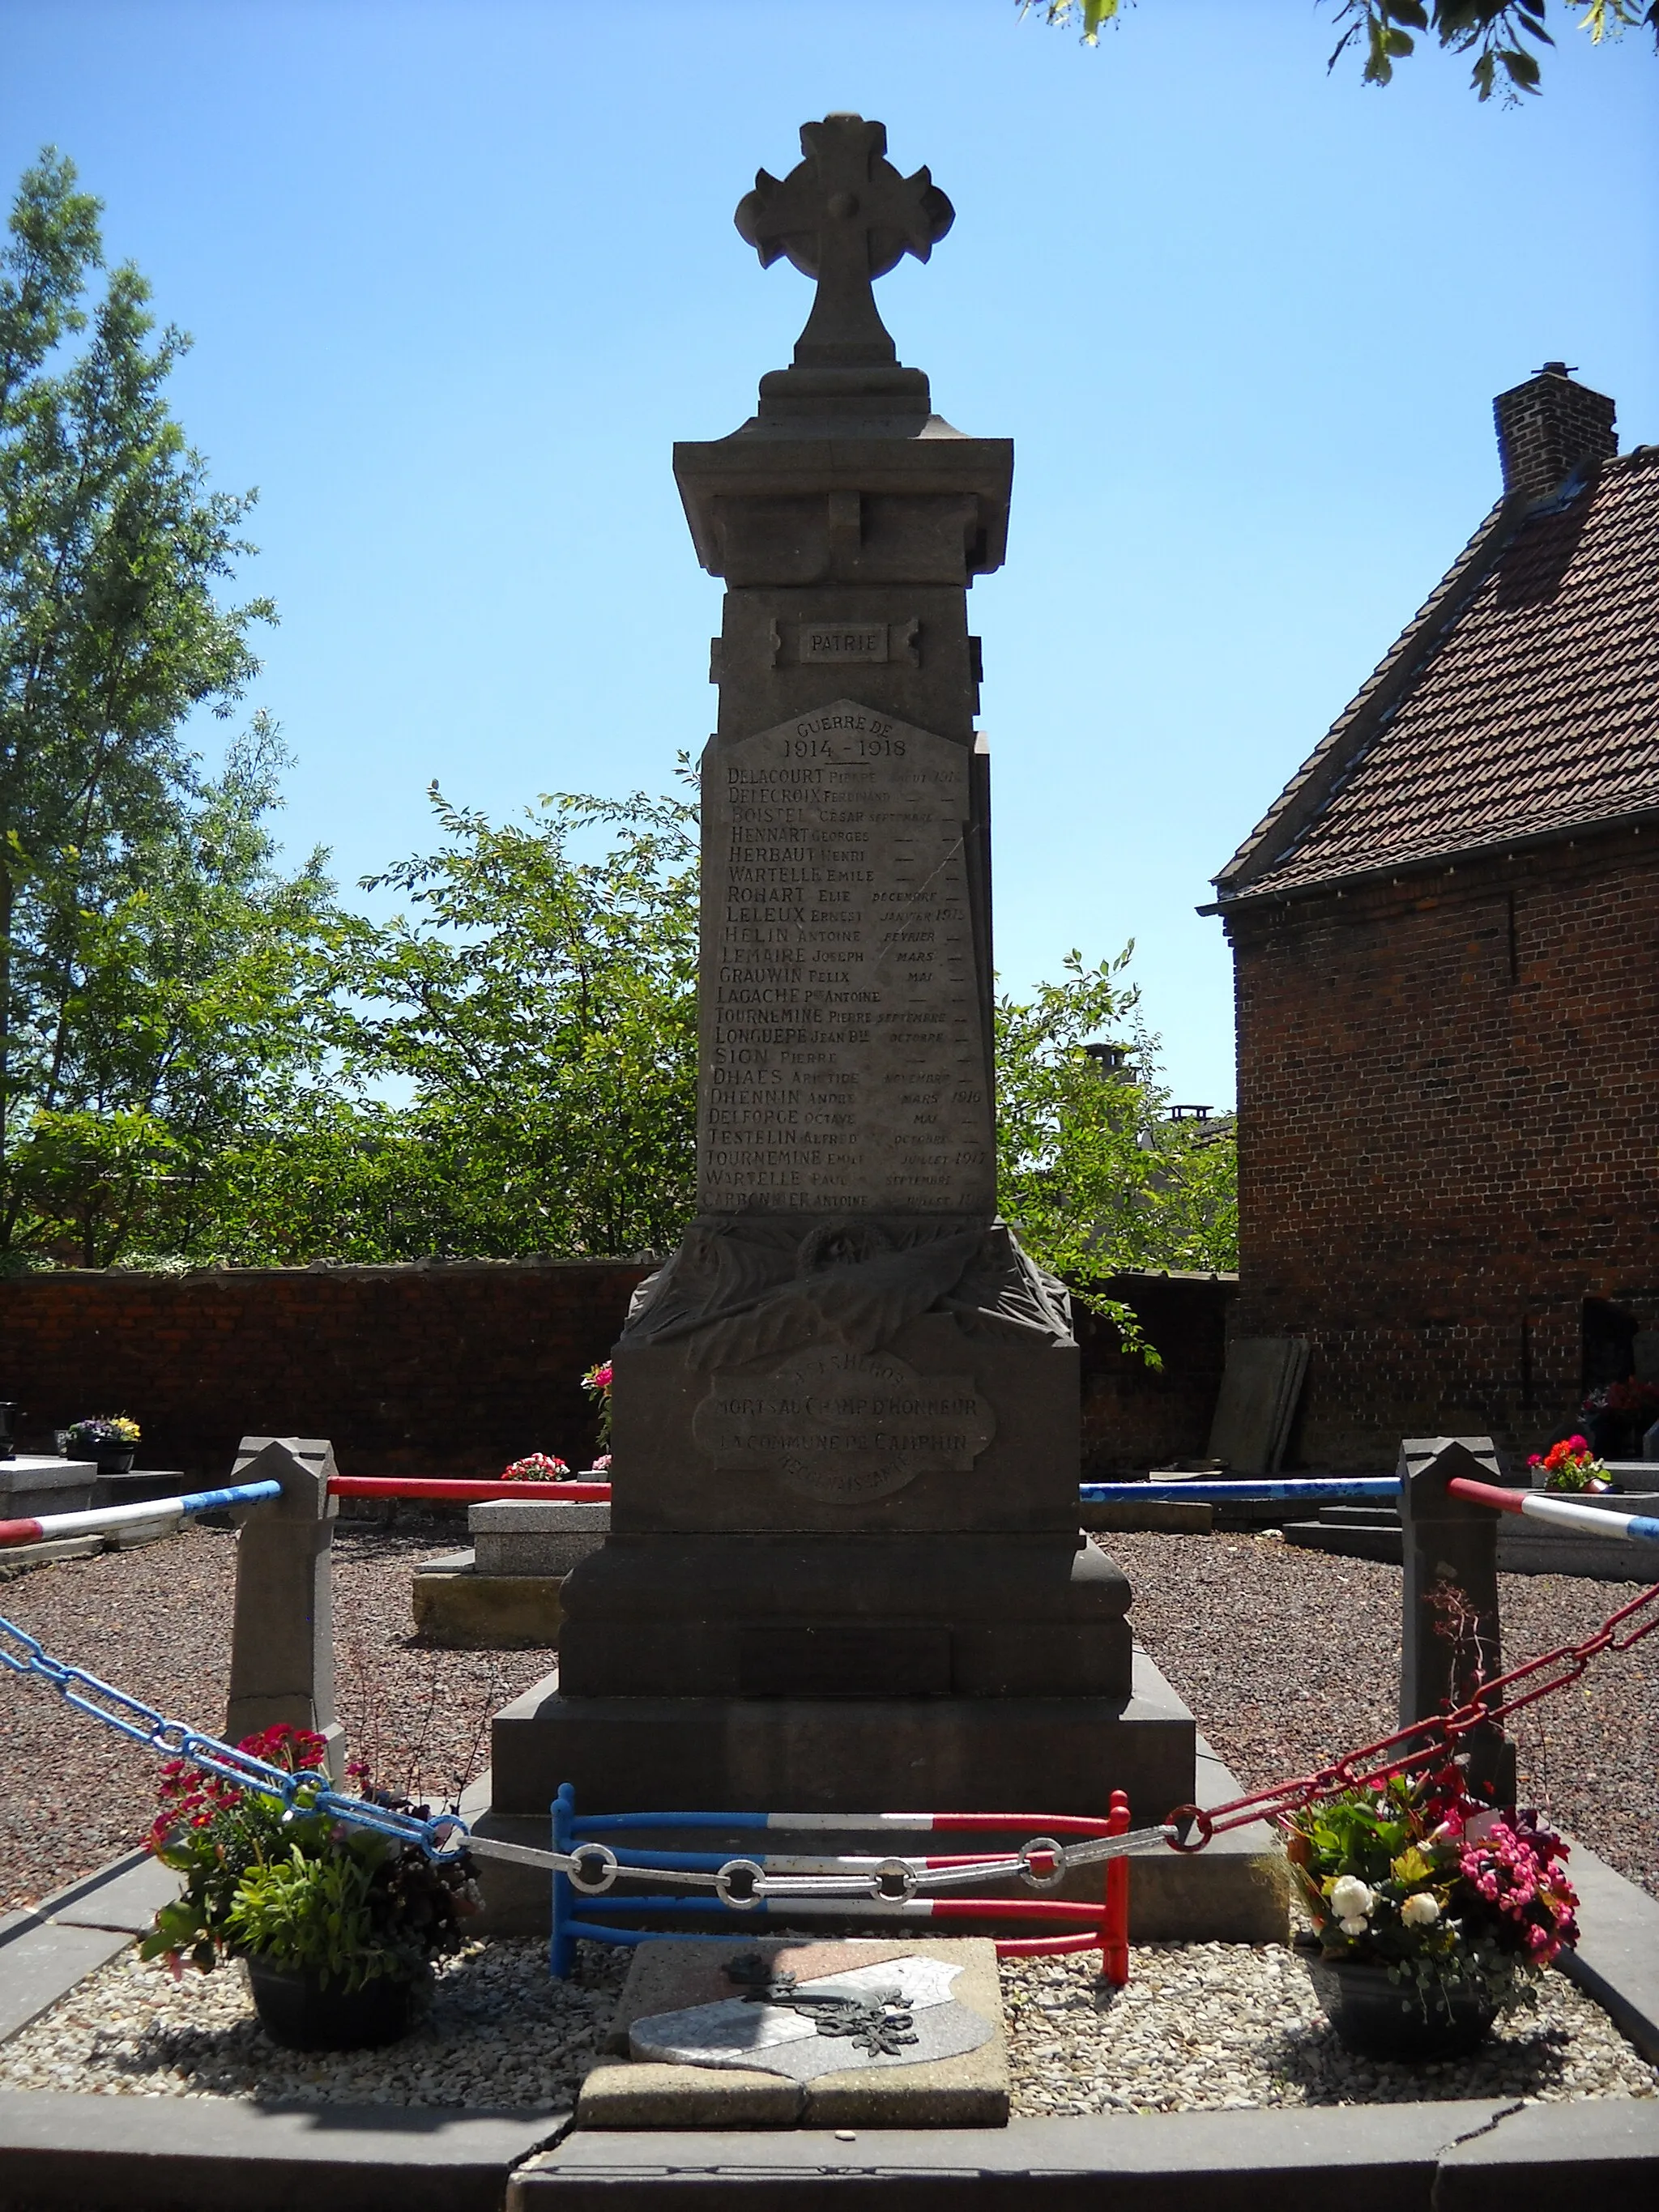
[[1432, 1739]]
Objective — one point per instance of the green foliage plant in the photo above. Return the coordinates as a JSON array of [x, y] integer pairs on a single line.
[[537, 1003], [295, 1886], [1094, 1174], [151, 964]]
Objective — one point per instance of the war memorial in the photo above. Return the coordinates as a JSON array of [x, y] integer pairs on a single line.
[[843, 1576], [845, 1570]]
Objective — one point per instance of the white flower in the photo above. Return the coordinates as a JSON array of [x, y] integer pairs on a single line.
[[1420, 1909], [1352, 1900], [1354, 1927]]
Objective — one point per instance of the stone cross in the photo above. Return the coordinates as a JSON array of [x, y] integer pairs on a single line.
[[846, 216]]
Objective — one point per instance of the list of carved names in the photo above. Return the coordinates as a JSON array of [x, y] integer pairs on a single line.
[[842, 1059]]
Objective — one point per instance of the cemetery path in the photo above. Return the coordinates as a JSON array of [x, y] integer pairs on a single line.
[[156, 1621], [1288, 1658], [1309, 1666]]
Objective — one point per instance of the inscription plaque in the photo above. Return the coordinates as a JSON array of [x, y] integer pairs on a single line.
[[843, 1063], [822, 642], [843, 1425]]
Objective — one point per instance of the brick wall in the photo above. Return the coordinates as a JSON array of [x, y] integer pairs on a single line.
[[1135, 1417], [451, 1369], [454, 1369], [1448, 1138]]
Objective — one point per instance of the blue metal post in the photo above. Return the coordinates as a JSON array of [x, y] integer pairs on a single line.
[[561, 1947]]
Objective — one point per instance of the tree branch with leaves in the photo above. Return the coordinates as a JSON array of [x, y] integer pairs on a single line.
[[1503, 35]]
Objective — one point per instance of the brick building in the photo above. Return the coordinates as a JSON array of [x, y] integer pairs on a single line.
[[1446, 936]]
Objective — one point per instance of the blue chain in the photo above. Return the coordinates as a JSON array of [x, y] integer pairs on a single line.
[[444, 1836]]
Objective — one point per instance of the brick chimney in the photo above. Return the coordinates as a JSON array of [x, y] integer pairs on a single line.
[[1547, 426]]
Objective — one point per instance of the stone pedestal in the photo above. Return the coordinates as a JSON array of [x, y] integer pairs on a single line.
[[1451, 1642], [505, 1593], [281, 1658], [845, 1570], [32, 1485]]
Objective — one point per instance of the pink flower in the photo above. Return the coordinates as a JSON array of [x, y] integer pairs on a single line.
[[538, 1466]]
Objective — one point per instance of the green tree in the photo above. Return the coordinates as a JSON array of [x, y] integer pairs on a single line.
[[536, 1009], [541, 1006], [190, 997], [1503, 35], [112, 548], [1091, 1169]]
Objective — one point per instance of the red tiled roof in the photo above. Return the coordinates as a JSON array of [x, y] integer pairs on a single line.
[[1522, 700]]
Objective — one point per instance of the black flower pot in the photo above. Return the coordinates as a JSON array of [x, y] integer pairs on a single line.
[[1376, 2018], [117, 1461], [307, 2011]]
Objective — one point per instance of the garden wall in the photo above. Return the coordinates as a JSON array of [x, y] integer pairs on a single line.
[[456, 1367]]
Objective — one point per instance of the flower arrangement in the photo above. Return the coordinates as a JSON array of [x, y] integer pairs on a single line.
[[1638, 1398], [99, 1432], [1414, 1875], [598, 1380], [296, 1887], [536, 1467], [1570, 1464]]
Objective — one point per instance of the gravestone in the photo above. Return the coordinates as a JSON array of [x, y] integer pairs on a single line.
[[844, 1569]]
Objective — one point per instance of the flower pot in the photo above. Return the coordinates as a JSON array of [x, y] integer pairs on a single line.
[[117, 1460], [307, 2011], [1376, 2018]]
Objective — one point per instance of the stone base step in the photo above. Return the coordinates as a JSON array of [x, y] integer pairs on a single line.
[[1347, 1541], [463, 1611], [1524, 1547], [1055, 1754]]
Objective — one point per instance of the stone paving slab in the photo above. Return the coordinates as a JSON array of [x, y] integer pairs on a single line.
[[966, 2089], [41, 1961], [1379, 2159], [18, 1558], [629, 2093], [1609, 2144], [47, 1948], [128, 1898], [1617, 1958], [150, 2154]]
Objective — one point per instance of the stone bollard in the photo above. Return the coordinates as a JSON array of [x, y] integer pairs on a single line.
[[1449, 1641], [282, 1657]]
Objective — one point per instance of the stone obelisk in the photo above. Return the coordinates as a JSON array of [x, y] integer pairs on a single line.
[[845, 1570]]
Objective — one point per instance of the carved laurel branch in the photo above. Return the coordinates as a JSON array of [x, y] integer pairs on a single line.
[[742, 1293]]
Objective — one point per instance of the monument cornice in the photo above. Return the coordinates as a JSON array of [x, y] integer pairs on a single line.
[[768, 464]]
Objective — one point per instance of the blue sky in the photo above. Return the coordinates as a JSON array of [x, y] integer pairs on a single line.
[[458, 275]]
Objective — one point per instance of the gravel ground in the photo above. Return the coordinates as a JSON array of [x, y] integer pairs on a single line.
[[1215, 2026], [1202, 2026], [1288, 1658], [1308, 1666], [156, 1622], [500, 2033]]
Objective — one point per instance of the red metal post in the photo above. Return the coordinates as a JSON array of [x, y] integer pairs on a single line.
[[1115, 1928]]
